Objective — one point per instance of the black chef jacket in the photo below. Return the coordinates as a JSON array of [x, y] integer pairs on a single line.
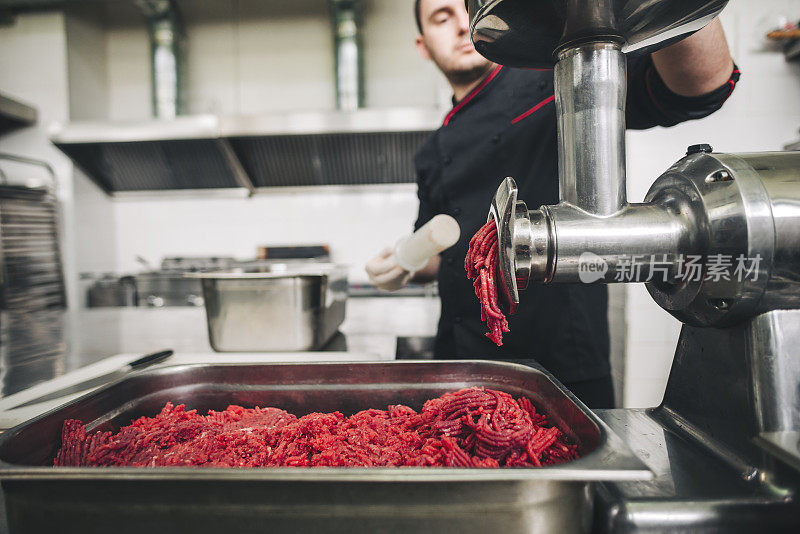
[[507, 127]]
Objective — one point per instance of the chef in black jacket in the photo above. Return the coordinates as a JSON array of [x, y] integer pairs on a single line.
[[503, 123]]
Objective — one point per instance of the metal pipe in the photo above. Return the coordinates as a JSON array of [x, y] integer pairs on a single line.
[[346, 19], [590, 88], [167, 48], [637, 244]]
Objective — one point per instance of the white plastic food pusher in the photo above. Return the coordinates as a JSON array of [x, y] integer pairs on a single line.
[[413, 252]]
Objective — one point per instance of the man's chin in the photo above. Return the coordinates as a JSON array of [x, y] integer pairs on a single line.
[[466, 71]]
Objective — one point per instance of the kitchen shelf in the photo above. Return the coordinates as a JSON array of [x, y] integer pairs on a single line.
[[15, 114], [791, 42]]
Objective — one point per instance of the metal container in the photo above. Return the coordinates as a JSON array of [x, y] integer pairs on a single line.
[[110, 290], [274, 307], [509, 500], [161, 288]]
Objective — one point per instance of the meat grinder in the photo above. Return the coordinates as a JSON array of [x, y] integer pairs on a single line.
[[716, 240]]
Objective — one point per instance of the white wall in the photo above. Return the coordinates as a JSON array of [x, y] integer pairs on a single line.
[[356, 223], [762, 114], [33, 69], [253, 56], [247, 57]]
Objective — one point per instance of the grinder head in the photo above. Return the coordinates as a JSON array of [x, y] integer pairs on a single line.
[[505, 211], [528, 33]]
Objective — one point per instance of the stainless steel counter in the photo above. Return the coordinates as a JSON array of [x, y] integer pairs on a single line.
[[693, 490], [35, 347]]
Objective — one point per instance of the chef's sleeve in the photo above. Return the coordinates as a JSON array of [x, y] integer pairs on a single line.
[[651, 103]]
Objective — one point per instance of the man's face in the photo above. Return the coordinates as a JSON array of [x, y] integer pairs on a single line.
[[445, 38]]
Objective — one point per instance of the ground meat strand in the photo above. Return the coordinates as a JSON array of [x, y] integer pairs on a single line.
[[473, 427], [481, 265]]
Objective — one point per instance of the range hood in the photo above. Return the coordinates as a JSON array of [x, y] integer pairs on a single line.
[[209, 152], [14, 114], [349, 146]]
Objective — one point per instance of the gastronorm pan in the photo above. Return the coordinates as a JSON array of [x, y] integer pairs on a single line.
[[509, 500], [274, 307]]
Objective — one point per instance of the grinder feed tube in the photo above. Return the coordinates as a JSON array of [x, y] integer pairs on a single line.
[[590, 87]]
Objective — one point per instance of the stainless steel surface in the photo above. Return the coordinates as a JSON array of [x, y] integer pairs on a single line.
[[515, 240], [753, 212], [207, 152], [167, 51], [33, 348], [100, 380], [691, 491], [590, 88], [15, 114], [770, 340], [630, 237], [529, 33], [161, 288], [31, 274], [282, 307], [724, 443], [110, 291], [348, 56], [784, 445], [707, 207], [551, 499], [753, 390], [235, 165]]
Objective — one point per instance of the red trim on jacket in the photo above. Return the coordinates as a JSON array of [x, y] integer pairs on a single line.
[[658, 105], [534, 108], [472, 94]]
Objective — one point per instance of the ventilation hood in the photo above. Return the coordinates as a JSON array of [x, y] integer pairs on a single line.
[[350, 146], [14, 114], [210, 152]]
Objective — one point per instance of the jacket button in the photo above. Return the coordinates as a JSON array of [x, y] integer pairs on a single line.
[[447, 160], [457, 319], [496, 139], [456, 211], [449, 261], [542, 85]]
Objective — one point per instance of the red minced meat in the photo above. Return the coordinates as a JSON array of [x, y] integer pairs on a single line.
[[473, 427], [481, 265]]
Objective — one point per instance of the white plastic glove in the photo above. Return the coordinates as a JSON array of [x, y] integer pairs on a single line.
[[385, 273]]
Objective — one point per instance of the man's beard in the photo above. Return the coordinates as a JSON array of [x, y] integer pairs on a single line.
[[469, 75]]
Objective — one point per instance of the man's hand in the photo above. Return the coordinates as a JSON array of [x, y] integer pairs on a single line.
[[384, 273]]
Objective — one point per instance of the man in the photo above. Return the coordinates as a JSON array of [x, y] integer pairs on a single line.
[[503, 124]]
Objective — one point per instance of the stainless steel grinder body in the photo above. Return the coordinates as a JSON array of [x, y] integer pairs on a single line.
[[733, 388]]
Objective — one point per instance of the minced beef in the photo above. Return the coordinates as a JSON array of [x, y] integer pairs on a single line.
[[473, 427], [482, 264]]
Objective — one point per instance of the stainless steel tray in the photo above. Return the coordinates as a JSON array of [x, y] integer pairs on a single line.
[[550, 499], [275, 307]]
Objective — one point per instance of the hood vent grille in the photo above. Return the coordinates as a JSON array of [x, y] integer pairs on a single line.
[[362, 147], [333, 159], [153, 165]]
